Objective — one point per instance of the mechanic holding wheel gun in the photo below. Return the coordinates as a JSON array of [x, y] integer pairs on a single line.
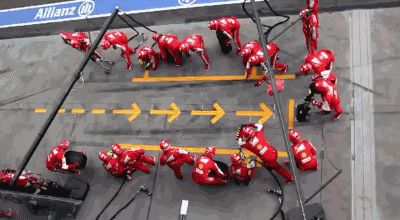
[[56, 160], [204, 166], [330, 97], [133, 159], [240, 171], [175, 158], [251, 137], [119, 40]]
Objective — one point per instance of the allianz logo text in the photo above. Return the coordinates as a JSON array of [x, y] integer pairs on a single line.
[[60, 11], [186, 2]]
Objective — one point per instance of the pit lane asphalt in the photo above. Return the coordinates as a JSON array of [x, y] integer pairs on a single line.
[[35, 64]]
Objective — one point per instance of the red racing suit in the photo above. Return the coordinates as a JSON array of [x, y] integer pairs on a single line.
[[273, 50], [329, 94], [134, 159], [148, 57], [248, 49], [304, 155], [230, 26], [258, 57], [259, 145], [310, 25], [6, 177], [169, 43], [114, 166], [321, 62], [81, 42], [201, 172], [56, 161], [175, 158], [242, 172], [195, 43], [119, 40]]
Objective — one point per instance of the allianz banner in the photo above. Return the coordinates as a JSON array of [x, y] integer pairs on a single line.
[[80, 9]]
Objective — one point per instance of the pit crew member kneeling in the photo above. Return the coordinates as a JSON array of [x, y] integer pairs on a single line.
[[56, 160], [133, 159], [240, 171], [330, 97], [205, 167], [303, 151]]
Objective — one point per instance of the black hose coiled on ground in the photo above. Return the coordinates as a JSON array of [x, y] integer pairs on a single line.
[[270, 28]]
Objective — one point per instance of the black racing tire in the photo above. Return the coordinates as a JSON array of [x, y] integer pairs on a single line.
[[221, 40], [73, 156], [302, 111], [223, 166]]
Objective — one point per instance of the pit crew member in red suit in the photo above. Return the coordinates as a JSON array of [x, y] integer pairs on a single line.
[[175, 158]]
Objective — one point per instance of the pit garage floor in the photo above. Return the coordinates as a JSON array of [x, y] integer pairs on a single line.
[[34, 69]]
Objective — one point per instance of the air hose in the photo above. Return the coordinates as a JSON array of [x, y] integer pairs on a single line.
[[270, 28], [141, 189], [112, 199], [278, 193]]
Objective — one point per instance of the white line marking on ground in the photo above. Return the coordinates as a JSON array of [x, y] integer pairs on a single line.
[[362, 127]]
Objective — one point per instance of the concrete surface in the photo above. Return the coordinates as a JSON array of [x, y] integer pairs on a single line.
[[32, 65]]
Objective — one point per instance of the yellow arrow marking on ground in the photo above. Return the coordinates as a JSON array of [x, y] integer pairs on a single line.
[[134, 112], [253, 76], [198, 149], [173, 114], [218, 113], [78, 111], [265, 113], [291, 114]]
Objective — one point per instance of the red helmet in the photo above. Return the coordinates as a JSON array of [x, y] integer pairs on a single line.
[[141, 52], [156, 36], [247, 133], [103, 156], [116, 149], [213, 25], [294, 136], [64, 144], [235, 159], [209, 152], [105, 44], [164, 145], [184, 48]]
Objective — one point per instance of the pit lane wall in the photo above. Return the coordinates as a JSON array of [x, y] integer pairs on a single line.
[[50, 18]]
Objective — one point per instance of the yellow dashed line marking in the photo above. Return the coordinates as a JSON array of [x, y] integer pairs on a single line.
[[40, 110], [78, 111], [98, 111]]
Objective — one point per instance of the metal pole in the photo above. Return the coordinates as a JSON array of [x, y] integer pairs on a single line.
[[282, 123], [62, 97]]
